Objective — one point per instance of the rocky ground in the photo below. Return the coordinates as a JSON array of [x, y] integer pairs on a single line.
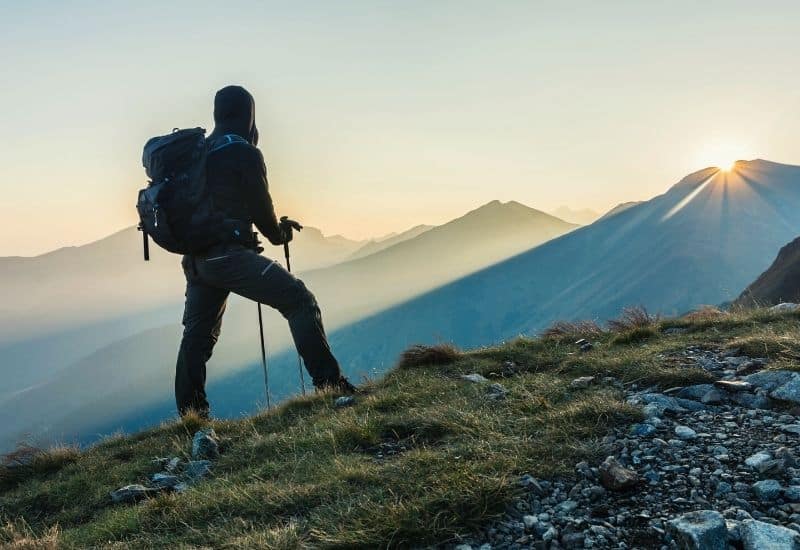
[[712, 466]]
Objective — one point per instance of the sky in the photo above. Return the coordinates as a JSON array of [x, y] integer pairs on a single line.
[[378, 116]]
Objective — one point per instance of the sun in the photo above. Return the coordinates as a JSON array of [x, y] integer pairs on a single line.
[[721, 154], [726, 165]]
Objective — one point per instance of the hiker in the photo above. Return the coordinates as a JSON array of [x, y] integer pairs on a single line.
[[237, 182]]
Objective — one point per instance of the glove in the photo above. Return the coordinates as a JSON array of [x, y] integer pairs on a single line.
[[287, 226]]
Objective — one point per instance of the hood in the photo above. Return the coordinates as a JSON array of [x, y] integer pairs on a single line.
[[235, 113]]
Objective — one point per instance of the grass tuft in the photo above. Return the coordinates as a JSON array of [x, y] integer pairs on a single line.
[[633, 318], [572, 330], [419, 356]]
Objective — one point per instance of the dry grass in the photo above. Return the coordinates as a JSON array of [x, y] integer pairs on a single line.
[[18, 535], [27, 461], [633, 318], [575, 330], [705, 313], [419, 356]]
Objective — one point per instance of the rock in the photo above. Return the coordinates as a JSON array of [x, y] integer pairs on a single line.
[[734, 385], [767, 489], [758, 535], [567, 507], [205, 445], [497, 392], [133, 493], [347, 400], [700, 530], [615, 476], [792, 493], [751, 401], [713, 397], [582, 382], [664, 402], [685, 433], [173, 465], [785, 307], [790, 391], [164, 481], [197, 469], [695, 392], [791, 429], [642, 430], [770, 379], [756, 460], [463, 547], [530, 521], [475, 378]]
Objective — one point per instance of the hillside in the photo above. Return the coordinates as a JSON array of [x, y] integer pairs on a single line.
[[428, 457], [347, 292], [779, 283]]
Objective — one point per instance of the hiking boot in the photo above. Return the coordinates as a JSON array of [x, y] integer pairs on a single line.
[[342, 385]]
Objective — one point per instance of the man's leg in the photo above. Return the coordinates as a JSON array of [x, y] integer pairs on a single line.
[[263, 280], [202, 320]]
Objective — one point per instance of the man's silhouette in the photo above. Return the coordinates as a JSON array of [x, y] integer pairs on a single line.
[[237, 181]]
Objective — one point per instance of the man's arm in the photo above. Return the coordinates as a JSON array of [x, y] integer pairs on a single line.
[[256, 194]]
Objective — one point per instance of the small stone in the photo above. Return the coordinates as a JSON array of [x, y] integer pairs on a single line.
[[758, 535], [734, 385], [497, 392], [164, 480], [463, 547], [475, 378], [615, 476], [133, 493], [173, 465], [205, 445], [785, 307], [767, 489], [530, 521], [758, 459], [792, 493], [582, 382], [700, 530], [344, 401], [685, 433], [642, 430]]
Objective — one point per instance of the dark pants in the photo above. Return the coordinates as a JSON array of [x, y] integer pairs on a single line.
[[232, 268]]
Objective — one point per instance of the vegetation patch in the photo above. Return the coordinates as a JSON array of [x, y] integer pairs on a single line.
[[423, 457]]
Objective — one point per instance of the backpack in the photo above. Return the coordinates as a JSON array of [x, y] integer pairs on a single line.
[[176, 208]]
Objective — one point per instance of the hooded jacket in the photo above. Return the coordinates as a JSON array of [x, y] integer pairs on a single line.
[[236, 174]]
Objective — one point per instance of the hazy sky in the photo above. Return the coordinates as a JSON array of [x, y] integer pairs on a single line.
[[376, 116]]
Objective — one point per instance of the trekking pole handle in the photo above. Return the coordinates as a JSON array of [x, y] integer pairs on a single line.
[[145, 243]]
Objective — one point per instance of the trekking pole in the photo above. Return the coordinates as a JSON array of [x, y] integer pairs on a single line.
[[263, 355], [285, 220]]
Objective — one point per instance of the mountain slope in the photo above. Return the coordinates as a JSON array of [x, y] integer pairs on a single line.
[[700, 242], [377, 245], [779, 283], [583, 216], [621, 207]]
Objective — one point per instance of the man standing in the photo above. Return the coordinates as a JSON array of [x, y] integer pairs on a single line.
[[237, 180]]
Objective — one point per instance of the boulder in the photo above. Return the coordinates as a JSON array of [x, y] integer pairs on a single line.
[[700, 530], [475, 378], [755, 461], [582, 382], [615, 476], [196, 469], [345, 401], [785, 307], [758, 535], [790, 391], [770, 379]]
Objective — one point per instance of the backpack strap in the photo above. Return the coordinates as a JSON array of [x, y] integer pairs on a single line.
[[228, 139]]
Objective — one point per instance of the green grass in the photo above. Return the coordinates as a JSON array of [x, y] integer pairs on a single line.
[[306, 474]]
